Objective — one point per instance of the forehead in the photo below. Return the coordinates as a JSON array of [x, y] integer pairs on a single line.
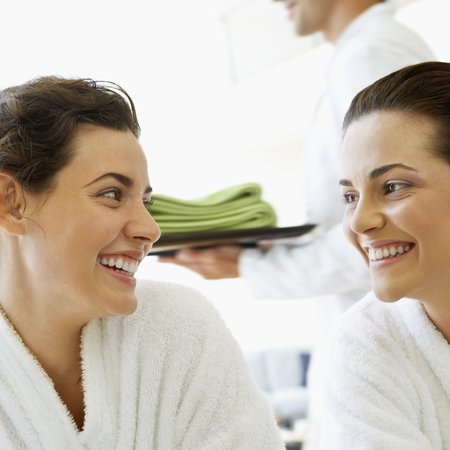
[[387, 137], [98, 150]]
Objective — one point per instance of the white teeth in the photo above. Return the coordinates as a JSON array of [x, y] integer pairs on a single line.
[[376, 254], [127, 266]]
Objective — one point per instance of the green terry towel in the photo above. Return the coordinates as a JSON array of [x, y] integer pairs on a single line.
[[234, 208]]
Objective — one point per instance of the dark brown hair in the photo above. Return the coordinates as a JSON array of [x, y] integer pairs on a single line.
[[39, 119], [421, 89]]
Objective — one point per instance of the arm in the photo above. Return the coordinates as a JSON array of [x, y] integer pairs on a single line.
[[212, 263], [328, 264]]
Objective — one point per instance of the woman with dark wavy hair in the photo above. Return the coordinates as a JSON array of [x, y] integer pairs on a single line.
[[388, 383], [89, 357]]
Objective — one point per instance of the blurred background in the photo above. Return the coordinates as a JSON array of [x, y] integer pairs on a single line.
[[223, 98]]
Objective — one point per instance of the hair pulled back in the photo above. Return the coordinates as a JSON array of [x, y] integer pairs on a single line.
[[420, 89], [39, 119]]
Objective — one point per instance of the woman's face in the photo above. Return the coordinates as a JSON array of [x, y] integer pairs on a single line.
[[85, 239], [397, 195]]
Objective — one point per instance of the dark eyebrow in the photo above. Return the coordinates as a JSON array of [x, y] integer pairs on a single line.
[[126, 181], [386, 168], [345, 182], [378, 171]]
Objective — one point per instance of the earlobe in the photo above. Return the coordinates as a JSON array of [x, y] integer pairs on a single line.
[[11, 204]]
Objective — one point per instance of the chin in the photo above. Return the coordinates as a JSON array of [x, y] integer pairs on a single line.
[[123, 306], [387, 295]]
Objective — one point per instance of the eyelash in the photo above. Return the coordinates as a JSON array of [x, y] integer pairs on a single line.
[[398, 186], [346, 198], [116, 191], [118, 194], [148, 203]]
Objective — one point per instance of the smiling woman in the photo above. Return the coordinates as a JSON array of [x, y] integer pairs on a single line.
[[389, 359], [91, 358]]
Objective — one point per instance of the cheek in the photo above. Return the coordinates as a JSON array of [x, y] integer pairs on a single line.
[[351, 235]]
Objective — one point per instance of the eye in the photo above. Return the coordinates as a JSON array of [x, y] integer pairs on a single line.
[[148, 203], [395, 186], [114, 193], [350, 197]]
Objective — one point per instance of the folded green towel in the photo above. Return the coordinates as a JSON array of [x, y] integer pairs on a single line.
[[234, 208]]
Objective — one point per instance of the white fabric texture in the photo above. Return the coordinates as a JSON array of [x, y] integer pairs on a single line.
[[387, 380], [374, 44], [168, 377]]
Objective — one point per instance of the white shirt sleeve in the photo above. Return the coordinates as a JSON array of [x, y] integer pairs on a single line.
[[327, 264]]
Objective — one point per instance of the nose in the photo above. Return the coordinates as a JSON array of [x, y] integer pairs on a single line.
[[366, 217], [142, 226]]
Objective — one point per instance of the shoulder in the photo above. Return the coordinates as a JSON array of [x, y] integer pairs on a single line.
[[365, 350], [378, 30], [372, 50], [168, 296], [169, 309], [173, 301], [370, 329], [377, 343]]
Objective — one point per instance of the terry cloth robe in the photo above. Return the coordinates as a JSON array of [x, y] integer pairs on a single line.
[[388, 380], [168, 377]]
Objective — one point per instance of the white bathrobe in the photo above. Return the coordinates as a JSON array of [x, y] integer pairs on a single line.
[[388, 380], [168, 377]]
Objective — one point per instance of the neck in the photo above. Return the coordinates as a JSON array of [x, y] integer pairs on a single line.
[[50, 326], [54, 343], [440, 316], [46, 325], [345, 12]]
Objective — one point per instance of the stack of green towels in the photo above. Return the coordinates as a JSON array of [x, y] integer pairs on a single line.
[[235, 208]]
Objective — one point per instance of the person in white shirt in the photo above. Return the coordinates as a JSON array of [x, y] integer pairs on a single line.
[[387, 382], [369, 43]]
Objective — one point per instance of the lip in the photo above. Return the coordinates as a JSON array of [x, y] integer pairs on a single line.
[[138, 255], [134, 254], [119, 276], [383, 243]]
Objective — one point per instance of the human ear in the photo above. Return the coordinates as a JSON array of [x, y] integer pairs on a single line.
[[11, 204]]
